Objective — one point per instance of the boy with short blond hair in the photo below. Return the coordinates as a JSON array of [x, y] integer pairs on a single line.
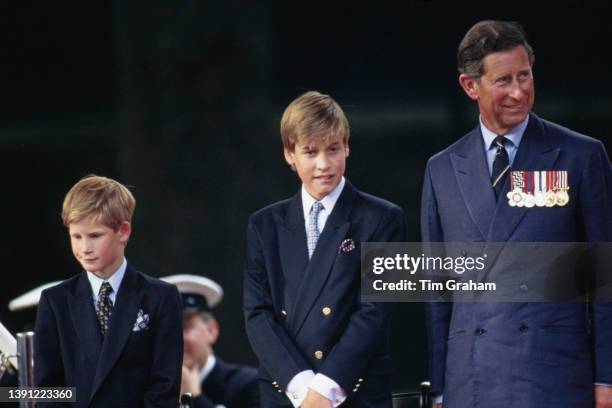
[[111, 331], [317, 344]]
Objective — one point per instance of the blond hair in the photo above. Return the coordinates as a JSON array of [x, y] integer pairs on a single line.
[[99, 199], [310, 116]]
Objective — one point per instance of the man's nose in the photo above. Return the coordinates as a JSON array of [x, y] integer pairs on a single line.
[[517, 91]]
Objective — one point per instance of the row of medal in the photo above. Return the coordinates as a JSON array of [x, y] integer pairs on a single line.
[[538, 188]]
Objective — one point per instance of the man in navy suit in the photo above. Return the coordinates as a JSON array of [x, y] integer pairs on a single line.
[[317, 344], [112, 332], [523, 355]]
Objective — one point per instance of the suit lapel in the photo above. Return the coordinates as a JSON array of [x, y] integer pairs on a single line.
[[320, 265], [535, 152], [474, 182], [84, 319], [293, 249], [127, 302]]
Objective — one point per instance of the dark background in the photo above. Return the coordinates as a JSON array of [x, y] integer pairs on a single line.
[[181, 100]]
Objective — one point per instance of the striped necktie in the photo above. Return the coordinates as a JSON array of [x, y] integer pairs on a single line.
[[501, 165]]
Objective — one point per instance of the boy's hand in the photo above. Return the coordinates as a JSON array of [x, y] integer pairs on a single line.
[[315, 400], [603, 397], [190, 381]]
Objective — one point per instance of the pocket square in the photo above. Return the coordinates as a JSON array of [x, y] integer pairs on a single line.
[[142, 321], [346, 246]]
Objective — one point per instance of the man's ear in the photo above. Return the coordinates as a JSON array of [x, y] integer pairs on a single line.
[[124, 230], [213, 328], [469, 85]]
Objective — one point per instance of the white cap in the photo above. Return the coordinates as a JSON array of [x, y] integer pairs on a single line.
[[8, 346], [197, 292], [30, 298]]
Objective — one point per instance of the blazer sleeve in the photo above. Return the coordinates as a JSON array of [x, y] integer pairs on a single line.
[[353, 351], [48, 369], [165, 375], [201, 401], [595, 204], [271, 343], [248, 396], [437, 314]]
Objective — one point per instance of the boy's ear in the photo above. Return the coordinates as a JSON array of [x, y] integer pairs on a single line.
[[289, 157], [469, 85], [124, 230], [346, 149]]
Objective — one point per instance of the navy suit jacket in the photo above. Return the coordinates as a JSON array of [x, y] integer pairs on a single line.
[[285, 294], [125, 369], [230, 385], [518, 354]]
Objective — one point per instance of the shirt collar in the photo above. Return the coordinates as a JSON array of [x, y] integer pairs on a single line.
[[114, 280], [329, 201], [514, 136], [208, 367]]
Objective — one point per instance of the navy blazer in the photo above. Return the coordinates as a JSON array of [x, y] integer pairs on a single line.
[[307, 315], [126, 368], [230, 385], [518, 354]]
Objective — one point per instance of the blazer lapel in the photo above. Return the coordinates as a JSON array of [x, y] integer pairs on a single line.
[[215, 384], [320, 265], [84, 319], [474, 182], [128, 299], [293, 249], [535, 152]]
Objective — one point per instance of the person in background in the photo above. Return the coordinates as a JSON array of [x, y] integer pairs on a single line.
[[210, 380]]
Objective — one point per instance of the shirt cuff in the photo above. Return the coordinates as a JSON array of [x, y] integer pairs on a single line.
[[438, 399], [298, 387], [600, 384], [328, 388]]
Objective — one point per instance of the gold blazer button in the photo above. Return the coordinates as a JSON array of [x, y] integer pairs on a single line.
[[326, 311], [318, 354]]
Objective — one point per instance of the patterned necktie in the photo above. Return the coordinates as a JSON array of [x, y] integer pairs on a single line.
[[312, 228], [104, 306], [501, 164]]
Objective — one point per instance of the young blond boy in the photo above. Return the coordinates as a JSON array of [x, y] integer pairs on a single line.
[[317, 344], [111, 331]]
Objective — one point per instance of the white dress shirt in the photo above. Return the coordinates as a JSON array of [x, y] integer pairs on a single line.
[[513, 137], [114, 280], [207, 367]]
